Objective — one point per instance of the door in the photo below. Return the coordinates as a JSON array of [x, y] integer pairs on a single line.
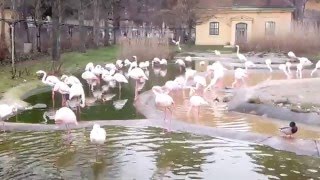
[[241, 33]]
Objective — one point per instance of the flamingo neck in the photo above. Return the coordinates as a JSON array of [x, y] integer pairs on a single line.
[[238, 50], [269, 67], [44, 77], [83, 100]]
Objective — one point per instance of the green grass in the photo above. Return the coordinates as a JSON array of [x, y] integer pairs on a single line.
[[72, 62]]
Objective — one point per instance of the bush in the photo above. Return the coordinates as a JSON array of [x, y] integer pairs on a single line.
[[145, 48], [302, 40]]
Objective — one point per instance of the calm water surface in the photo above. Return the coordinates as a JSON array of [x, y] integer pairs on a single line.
[[145, 153]]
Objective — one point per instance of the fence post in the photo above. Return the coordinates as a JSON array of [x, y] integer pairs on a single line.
[[12, 48]]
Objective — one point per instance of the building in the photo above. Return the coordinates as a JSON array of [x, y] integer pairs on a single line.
[[231, 22], [9, 16]]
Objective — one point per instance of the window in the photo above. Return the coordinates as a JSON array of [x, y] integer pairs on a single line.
[[214, 28], [270, 28]]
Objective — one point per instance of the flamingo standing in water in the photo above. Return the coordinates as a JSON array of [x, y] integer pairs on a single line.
[[120, 79], [196, 101], [65, 116], [218, 71], [283, 68], [91, 79], [181, 64], [268, 63], [138, 75], [163, 100], [316, 68], [288, 65], [63, 89], [76, 90], [241, 57], [239, 74], [292, 55], [49, 80], [5, 111], [70, 79], [299, 70], [97, 136]]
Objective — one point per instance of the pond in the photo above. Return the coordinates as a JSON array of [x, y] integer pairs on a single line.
[[145, 153]]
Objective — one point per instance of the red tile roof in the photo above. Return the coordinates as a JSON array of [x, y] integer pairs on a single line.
[[207, 4]]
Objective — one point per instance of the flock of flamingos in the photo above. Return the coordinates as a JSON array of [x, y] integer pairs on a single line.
[[118, 73]]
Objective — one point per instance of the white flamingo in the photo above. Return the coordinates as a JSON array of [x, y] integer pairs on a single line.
[[196, 101], [5, 112], [181, 63], [163, 100], [70, 79], [163, 62], [316, 68], [189, 74], [120, 79], [239, 74], [65, 116], [288, 64], [77, 91], [119, 63], [98, 136], [138, 75], [291, 55], [188, 59], [216, 52], [91, 79], [127, 62], [299, 70], [89, 67], [97, 70], [283, 68], [49, 80], [200, 81], [241, 57], [268, 63], [63, 89]]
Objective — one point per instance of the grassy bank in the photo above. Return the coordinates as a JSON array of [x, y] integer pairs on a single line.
[[72, 62]]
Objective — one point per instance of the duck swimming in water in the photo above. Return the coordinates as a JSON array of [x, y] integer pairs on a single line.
[[288, 131]]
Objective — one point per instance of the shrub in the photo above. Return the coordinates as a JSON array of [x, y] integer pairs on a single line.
[[303, 39], [145, 48]]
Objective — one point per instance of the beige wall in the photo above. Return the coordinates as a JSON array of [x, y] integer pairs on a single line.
[[256, 26], [8, 15]]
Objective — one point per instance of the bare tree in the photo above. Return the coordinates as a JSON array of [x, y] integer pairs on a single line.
[[96, 23], [81, 10], [56, 21]]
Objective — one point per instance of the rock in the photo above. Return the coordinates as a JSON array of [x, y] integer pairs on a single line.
[[255, 101], [226, 98], [40, 106]]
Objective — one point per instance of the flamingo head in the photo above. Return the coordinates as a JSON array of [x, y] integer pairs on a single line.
[[135, 58], [63, 77]]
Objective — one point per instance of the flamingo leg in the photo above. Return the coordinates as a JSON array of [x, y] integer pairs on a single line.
[[165, 114], [52, 96], [198, 111], [136, 90], [3, 127]]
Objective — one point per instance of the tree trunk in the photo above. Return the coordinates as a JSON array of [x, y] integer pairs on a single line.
[[96, 23], [106, 32], [116, 20], [82, 47], [56, 20], [37, 20], [299, 11], [2, 35], [24, 14]]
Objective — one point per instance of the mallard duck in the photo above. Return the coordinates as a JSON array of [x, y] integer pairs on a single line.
[[288, 131]]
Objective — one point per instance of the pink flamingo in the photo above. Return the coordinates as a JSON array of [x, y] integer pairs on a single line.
[[63, 89], [163, 100], [65, 116], [138, 75]]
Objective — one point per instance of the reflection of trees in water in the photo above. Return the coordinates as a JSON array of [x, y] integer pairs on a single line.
[[274, 162], [178, 156]]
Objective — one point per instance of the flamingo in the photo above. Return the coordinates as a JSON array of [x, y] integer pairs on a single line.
[[248, 64], [5, 111], [190, 73], [77, 91], [315, 69], [292, 129], [163, 62], [291, 55], [91, 79], [119, 63], [163, 100], [97, 136], [172, 85], [136, 74], [196, 101], [50, 81], [241, 57], [188, 59], [155, 61], [97, 70], [70, 79], [239, 74], [163, 72], [283, 68], [127, 62], [120, 79], [181, 64], [200, 81], [218, 71], [63, 89], [144, 65], [288, 64], [216, 52], [110, 66], [299, 70], [89, 67], [304, 61], [66, 117], [268, 63], [177, 43]]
